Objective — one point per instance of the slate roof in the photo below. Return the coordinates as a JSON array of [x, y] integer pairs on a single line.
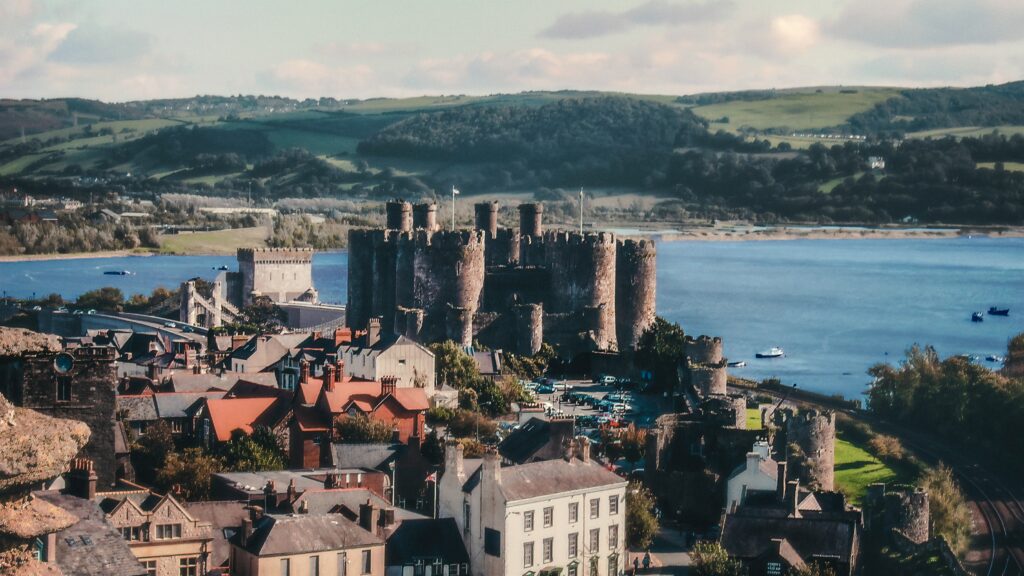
[[748, 536], [225, 519], [178, 404], [306, 534], [487, 362], [200, 382], [253, 482], [262, 351], [549, 477], [137, 408], [427, 538], [323, 501], [91, 547], [537, 439], [767, 466], [374, 456]]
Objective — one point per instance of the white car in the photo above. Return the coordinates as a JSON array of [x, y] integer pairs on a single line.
[[608, 380], [561, 386], [170, 325]]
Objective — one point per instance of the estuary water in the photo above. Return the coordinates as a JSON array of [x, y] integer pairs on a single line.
[[835, 306]]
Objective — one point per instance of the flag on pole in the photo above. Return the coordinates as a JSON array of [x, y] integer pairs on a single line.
[[432, 477], [454, 190]]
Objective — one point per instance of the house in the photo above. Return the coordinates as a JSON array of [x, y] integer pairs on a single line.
[[179, 409], [225, 519], [191, 382], [435, 542], [91, 546], [489, 363], [382, 401], [306, 544], [537, 439], [546, 517], [758, 474], [403, 463], [277, 488], [218, 417], [136, 413], [374, 355], [262, 352], [775, 533]]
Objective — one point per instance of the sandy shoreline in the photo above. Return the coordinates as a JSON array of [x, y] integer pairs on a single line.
[[738, 233]]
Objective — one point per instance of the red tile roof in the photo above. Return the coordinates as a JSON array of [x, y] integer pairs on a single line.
[[230, 414], [367, 395], [310, 419]]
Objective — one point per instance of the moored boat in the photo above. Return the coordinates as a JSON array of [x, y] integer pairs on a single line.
[[773, 352], [977, 317], [738, 364], [116, 272], [994, 311]]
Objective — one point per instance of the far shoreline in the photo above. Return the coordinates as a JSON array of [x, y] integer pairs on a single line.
[[729, 233]]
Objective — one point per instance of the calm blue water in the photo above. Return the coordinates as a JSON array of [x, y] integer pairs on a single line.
[[835, 306]]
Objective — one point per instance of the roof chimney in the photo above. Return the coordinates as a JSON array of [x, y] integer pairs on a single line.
[[329, 378], [269, 495], [81, 479], [582, 444], [303, 372], [780, 481], [373, 331], [304, 506], [369, 517], [492, 466], [453, 460], [388, 385], [292, 492], [339, 368], [793, 498], [753, 461]]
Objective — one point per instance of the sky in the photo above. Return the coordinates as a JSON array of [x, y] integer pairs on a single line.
[[118, 50]]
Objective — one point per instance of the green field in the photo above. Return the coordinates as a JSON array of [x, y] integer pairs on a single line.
[[967, 131], [753, 418], [216, 242], [137, 127], [856, 468], [1009, 166], [795, 110]]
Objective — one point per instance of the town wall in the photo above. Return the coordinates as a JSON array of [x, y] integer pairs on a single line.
[[814, 433]]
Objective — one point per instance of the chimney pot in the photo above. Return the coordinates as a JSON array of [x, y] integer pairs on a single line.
[[329, 377]]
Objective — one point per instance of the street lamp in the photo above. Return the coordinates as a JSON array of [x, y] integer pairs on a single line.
[[392, 466]]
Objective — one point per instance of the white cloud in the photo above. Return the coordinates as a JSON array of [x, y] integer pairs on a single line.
[[308, 78], [795, 32], [596, 23]]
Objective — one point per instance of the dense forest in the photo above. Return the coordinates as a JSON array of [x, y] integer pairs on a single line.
[[926, 109]]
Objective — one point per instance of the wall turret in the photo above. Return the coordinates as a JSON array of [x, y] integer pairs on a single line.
[[399, 215], [487, 218], [708, 379], [530, 216], [908, 511], [529, 328], [636, 279], [704, 350], [424, 216], [814, 433]]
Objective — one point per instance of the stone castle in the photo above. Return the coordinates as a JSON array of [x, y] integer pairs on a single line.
[[504, 287]]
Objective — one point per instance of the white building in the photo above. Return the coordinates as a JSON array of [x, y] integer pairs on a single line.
[[565, 516], [758, 474], [374, 356]]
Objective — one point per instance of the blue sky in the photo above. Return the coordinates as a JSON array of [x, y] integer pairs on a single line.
[[120, 50]]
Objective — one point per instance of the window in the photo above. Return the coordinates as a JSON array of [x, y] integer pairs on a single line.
[[286, 566], [548, 549], [367, 561], [574, 511], [39, 549], [573, 544], [573, 570], [595, 540], [150, 566], [549, 516], [166, 531], [773, 569], [465, 517], [595, 507], [613, 564], [527, 554], [176, 426], [613, 537], [492, 542], [528, 521], [342, 564], [63, 389], [613, 504], [314, 566], [188, 566]]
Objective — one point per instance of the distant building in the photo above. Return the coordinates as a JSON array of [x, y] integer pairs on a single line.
[[435, 543], [759, 474], [565, 516], [876, 162], [537, 439], [374, 355]]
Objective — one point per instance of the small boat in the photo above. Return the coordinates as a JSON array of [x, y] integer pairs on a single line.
[[116, 272], [739, 364], [993, 358], [773, 352], [977, 317], [999, 311], [222, 268]]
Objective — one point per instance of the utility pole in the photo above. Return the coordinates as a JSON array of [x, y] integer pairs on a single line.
[[581, 210], [455, 191]]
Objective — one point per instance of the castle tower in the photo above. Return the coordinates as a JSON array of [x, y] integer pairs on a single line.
[[529, 328], [487, 218], [282, 274], [704, 350], [530, 220], [448, 271], [399, 215], [582, 268], [409, 322], [460, 325], [908, 511], [708, 379], [360, 278], [635, 281], [815, 434], [405, 265], [425, 216]]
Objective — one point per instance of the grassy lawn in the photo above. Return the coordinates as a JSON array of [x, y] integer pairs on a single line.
[[967, 131], [216, 242], [829, 185], [1008, 166], [795, 110], [856, 468], [753, 418]]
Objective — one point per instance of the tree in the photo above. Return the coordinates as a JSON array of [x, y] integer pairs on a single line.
[[710, 559], [262, 316], [814, 569], [361, 428], [634, 444], [469, 424], [107, 298], [454, 367], [950, 516], [254, 452], [433, 448], [886, 447], [641, 522], [150, 451], [660, 349], [189, 475]]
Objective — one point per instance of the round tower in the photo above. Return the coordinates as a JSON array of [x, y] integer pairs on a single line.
[[425, 216], [708, 379], [487, 218], [360, 278], [704, 350], [399, 215], [636, 277], [530, 219], [460, 325], [448, 270], [405, 259], [529, 328], [582, 271], [815, 433], [908, 511]]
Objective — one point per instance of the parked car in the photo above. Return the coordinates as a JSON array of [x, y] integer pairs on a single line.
[[561, 385], [608, 380], [170, 325], [545, 389]]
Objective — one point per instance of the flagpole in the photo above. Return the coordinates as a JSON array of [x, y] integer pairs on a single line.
[[581, 210], [454, 192], [435, 494]]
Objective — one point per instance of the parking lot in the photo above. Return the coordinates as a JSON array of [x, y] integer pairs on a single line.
[[645, 408]]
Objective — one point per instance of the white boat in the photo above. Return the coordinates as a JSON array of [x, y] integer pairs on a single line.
[[739, 364], [773, 352]]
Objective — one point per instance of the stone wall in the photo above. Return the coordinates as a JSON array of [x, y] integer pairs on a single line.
[[636, 280], [282, 274]]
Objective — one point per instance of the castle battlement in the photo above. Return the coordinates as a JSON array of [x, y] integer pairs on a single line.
[[564, 238]]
